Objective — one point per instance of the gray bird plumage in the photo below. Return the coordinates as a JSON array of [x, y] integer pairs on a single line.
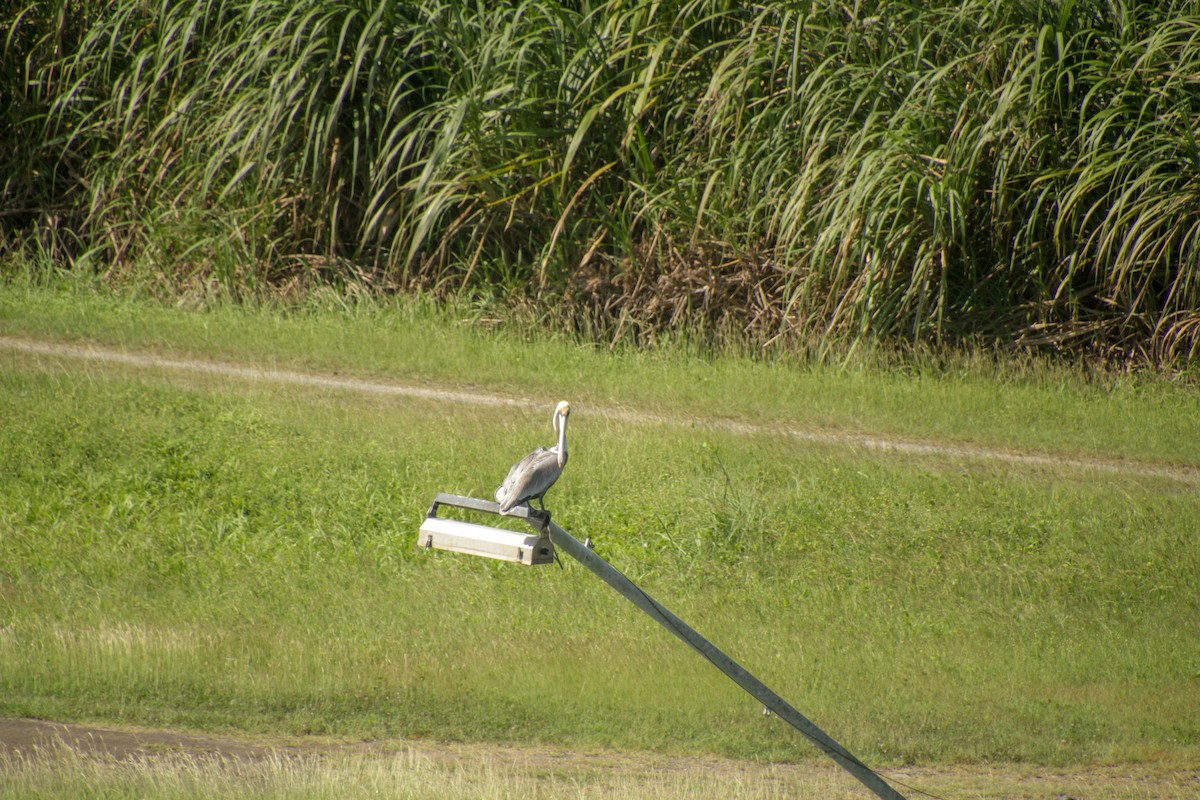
[[532, 476]]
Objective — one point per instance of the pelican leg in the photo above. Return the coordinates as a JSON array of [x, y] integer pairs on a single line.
[[541, 518]]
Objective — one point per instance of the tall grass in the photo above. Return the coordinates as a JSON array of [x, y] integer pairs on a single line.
[[459, 773], [1018, 172], [405, 776]]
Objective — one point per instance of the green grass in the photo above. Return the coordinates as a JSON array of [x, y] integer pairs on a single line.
[[214, 553], [980, 399]]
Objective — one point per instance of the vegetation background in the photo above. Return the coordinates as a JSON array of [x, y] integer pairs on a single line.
[[803, 179], [784, 175]]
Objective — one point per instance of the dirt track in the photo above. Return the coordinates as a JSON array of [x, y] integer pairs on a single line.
[[29, 737], [34, 739], [961, 452]]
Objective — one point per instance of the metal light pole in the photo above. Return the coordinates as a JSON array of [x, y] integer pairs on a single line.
[[448, 534]]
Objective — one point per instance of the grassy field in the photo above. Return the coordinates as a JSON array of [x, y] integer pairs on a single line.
[[1007, 401], [208, 552]]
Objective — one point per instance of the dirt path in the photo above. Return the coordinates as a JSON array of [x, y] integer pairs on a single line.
[[909, 447], [31, 739]]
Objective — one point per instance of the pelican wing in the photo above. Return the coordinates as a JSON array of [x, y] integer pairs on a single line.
[[530, 477], [517, 469]]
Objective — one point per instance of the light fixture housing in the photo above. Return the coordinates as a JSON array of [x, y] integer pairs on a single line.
[[458, 536]]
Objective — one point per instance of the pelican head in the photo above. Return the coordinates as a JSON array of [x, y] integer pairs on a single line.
[[560, 426], [561, 412]]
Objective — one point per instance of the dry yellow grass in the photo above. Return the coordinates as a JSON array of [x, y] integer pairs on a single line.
[[42, 760]]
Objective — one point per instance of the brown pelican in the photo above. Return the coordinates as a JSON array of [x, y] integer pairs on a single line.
[[532, 476]]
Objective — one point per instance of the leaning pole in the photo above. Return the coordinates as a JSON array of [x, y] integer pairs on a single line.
[[450, 534]]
